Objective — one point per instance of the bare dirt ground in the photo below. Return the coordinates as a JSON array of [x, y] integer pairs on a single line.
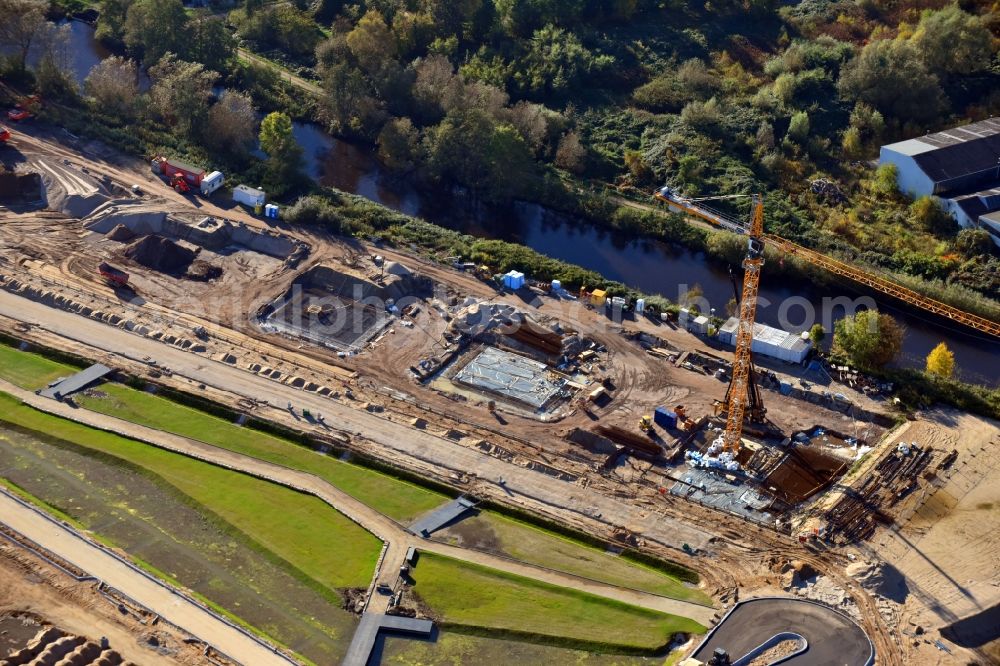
[[30, 585], [55, 255], [948, 540]]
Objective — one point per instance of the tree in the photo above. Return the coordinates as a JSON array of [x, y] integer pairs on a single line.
[[181, 91], [371, 42], [817, 334], [22, 24], [232, 122], [953, 42], [111, 22], [112, 87], [885, 179], [851, 143], [941, 361], [556, 62], [284, 155], [54, 73], [891, 76], [469, 148], [212, 44], [399, 144], [154, 28], [974, 242], [930, 215], [798, 128], [871, 339], [571, 154]]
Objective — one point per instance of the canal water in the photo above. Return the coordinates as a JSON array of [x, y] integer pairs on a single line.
[[651, 266]]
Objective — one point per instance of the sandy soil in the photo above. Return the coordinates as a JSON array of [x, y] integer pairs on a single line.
[[948, 543], [28, 584]]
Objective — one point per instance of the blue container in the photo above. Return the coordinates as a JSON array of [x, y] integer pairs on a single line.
[[664, 418], [786, 388], [271, 210]]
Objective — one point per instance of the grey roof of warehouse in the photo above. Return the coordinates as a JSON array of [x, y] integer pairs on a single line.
[[955, 152]]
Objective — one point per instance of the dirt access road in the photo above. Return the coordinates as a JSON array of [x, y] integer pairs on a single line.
[[33, 586], [390, 435], [381, 526], [154, 595]]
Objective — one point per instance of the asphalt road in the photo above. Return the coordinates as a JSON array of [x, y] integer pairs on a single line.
[[392, 436], [834, 640], [156, 596]]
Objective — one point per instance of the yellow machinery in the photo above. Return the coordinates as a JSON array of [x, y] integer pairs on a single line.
[[645, 424], [739, 387]]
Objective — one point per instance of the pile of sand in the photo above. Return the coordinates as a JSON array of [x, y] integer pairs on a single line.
[[121, 233], [161, 254], [881, 578], [203, 271]]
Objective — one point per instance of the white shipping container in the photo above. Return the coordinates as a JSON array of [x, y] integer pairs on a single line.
[[248, 196]]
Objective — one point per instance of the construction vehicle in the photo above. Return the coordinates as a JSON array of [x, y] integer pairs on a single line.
[[115, 276], [183, 177], [696, 208], [684, 422], [646, 423], [24, 110]]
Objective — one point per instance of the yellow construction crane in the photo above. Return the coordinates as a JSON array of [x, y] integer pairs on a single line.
[[693, 206], [739, 387]]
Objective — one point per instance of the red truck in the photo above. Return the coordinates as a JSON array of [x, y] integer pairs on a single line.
[[4, 134], [183, 177], [116, 276]]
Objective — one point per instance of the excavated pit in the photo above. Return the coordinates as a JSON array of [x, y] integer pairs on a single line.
[[160, 254], [211, 233], [341, 310]]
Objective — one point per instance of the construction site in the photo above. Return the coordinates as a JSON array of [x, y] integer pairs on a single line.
[[765, 476]]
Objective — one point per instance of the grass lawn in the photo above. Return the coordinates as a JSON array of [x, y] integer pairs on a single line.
[[470, 594], [394, 497], [301, 529], [30, 371], [529, 543]]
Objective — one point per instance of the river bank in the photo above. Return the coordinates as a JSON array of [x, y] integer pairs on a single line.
[[793, 295]]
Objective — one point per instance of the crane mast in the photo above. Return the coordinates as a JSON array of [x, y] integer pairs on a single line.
[[742, 360]]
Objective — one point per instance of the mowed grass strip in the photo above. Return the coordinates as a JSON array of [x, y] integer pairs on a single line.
[[31, 371], [472, 595], [529, 543], [394, 497], [301, 529]]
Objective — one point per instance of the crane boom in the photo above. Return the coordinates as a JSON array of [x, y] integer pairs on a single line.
[[742, 359], [695, 208]]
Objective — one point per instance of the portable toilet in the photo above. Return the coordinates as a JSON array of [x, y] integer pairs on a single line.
[[665, 418], [513, 280], [640, 306], [598, 298], [271, 211], [556, 286]]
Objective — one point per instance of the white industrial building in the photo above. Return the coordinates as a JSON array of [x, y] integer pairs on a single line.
[[959, 166], [769, 341]]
